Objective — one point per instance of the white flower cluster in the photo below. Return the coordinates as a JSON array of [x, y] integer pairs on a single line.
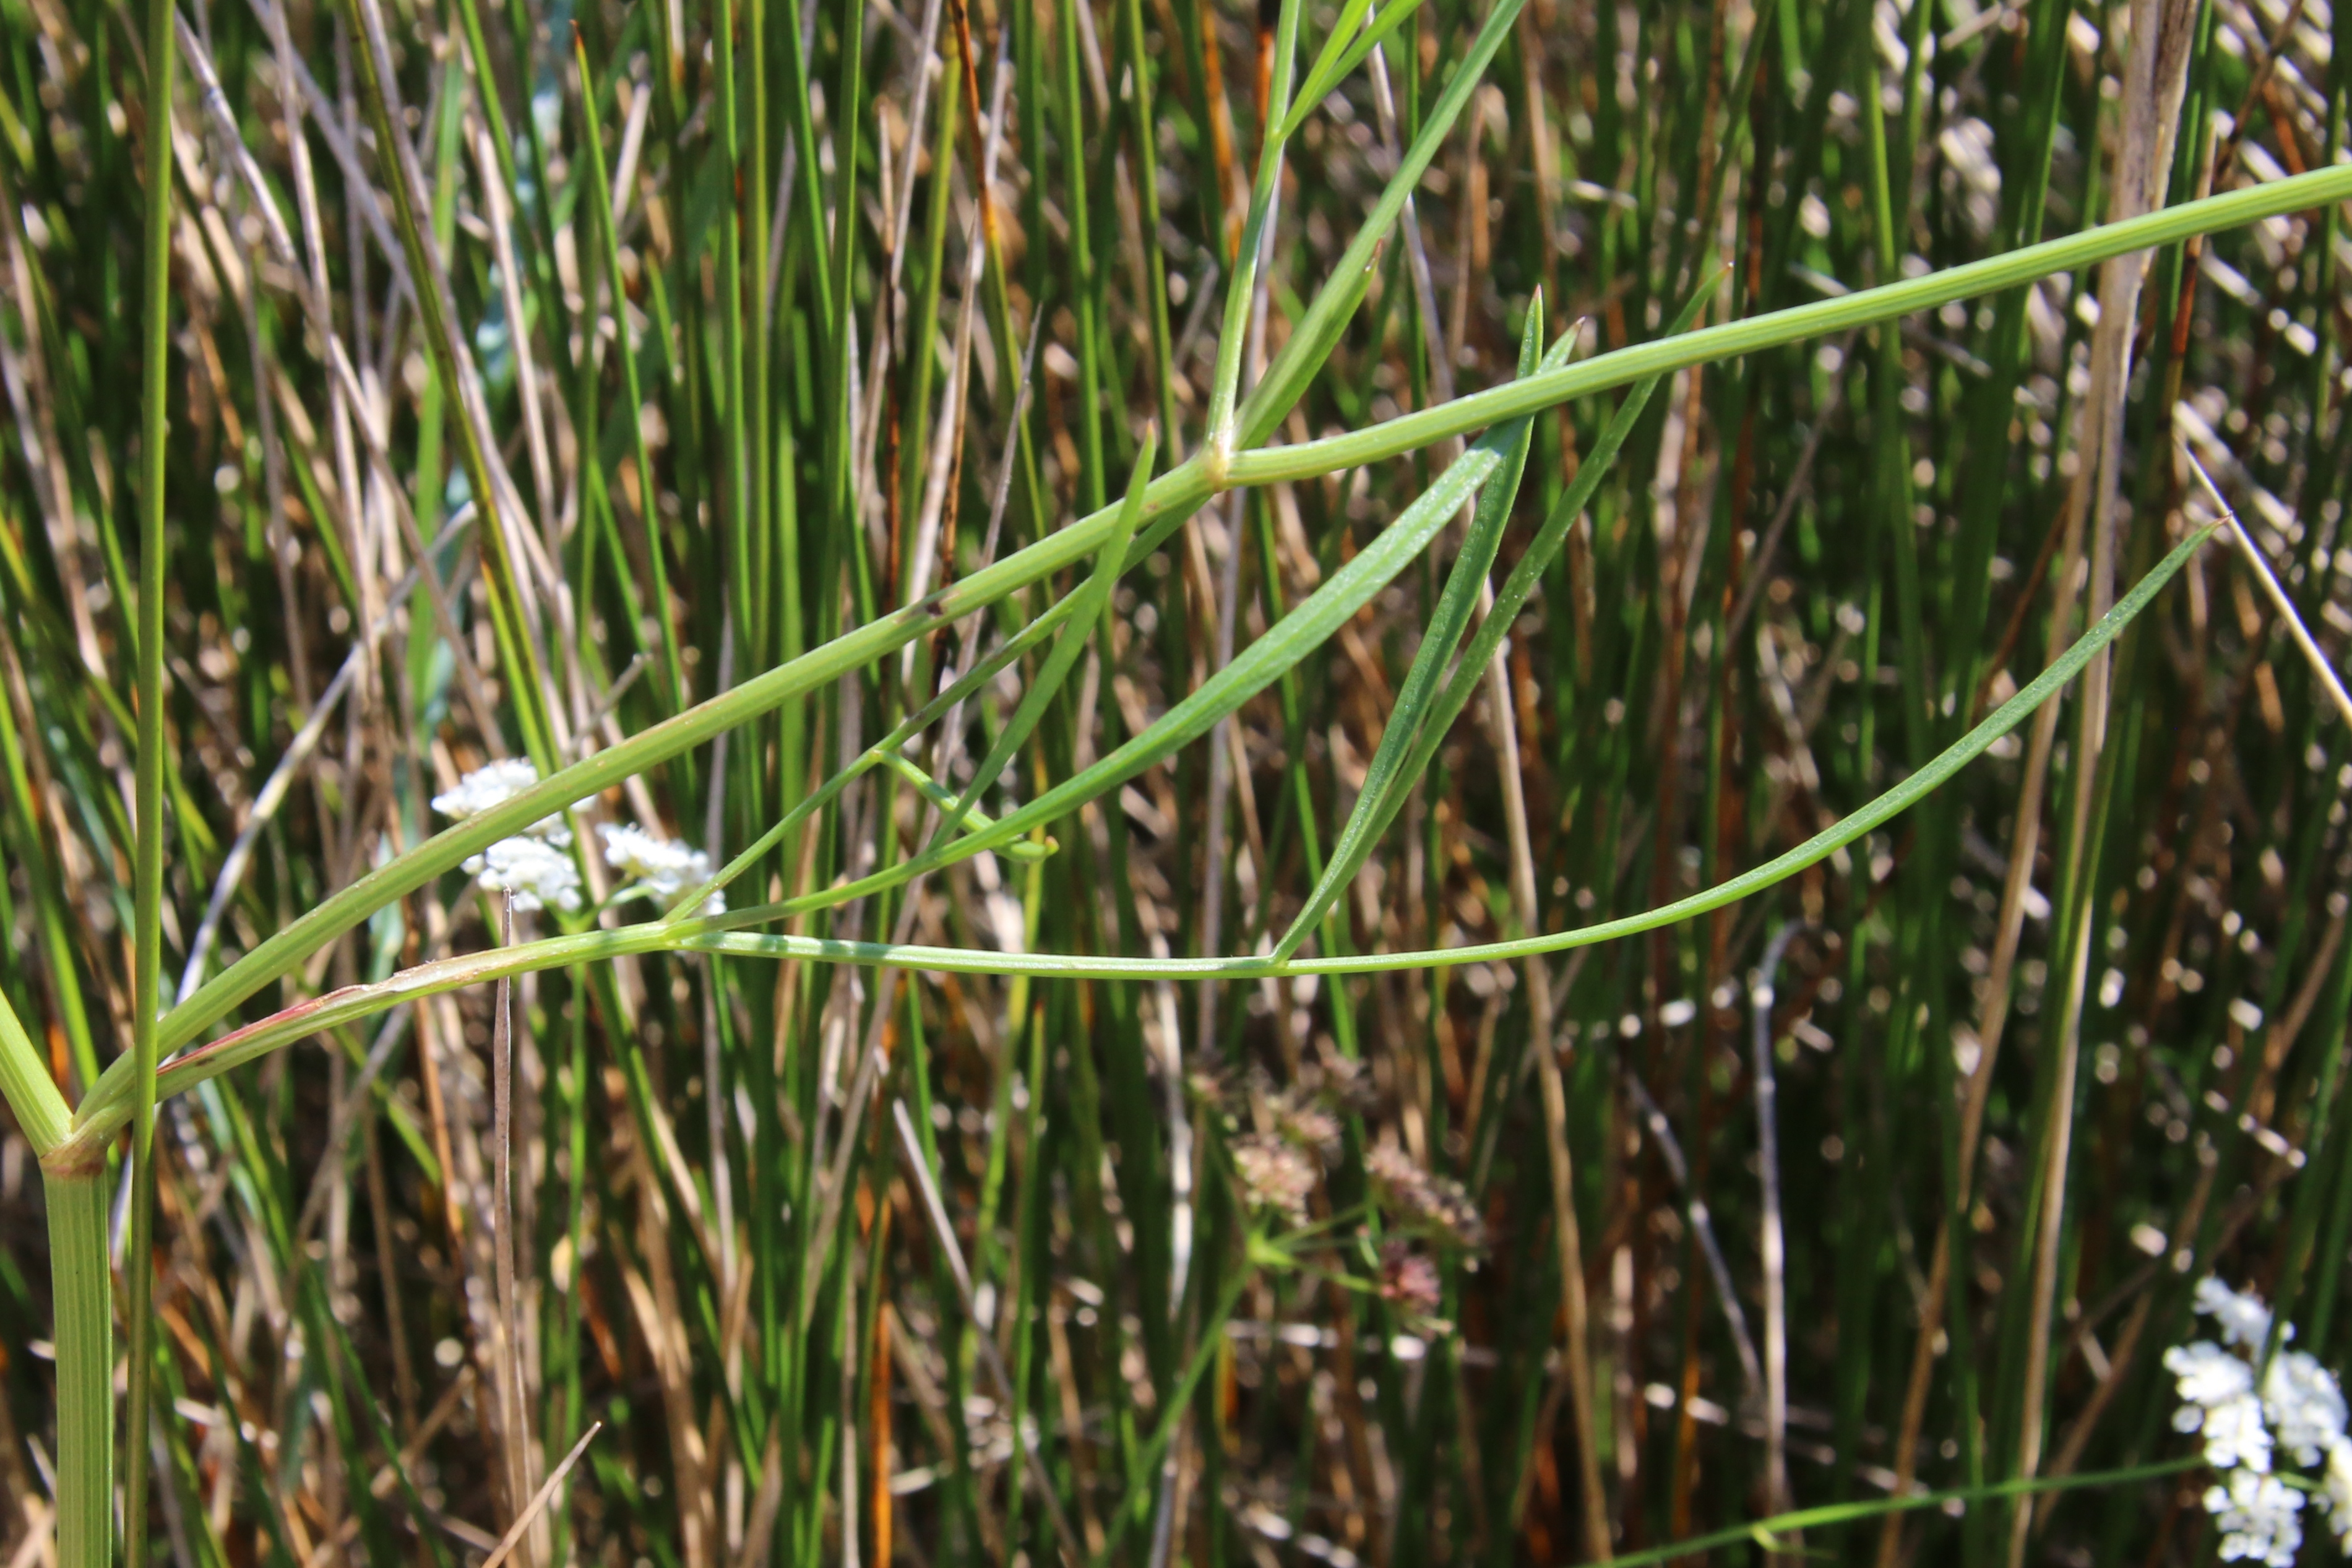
[[532, 866], [537, 874], [2298, 1409], [495, 785], [664, 867]]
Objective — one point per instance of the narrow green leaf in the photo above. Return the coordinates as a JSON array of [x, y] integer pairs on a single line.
[[1324, 73], [1085, 610], [1241, 278], [1532, 564], [1317, 332], [954, 812], [1331, 71], [1288, 641], [1438, 641]]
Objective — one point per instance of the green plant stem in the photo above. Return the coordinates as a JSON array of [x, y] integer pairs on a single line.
[[106, 1110], [42, 1114], [84, 1335], [1170, 498], [147, 884], [1765, 1532], [737, 487], [1823, 318], [600, 205]]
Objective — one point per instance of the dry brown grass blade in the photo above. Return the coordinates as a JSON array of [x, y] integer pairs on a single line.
[[660, 1322], [2156, 81], [1771, 1241], [2292, 617], [541, 1498], [1576, 1314]]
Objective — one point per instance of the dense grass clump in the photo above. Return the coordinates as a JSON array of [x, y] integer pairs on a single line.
[[1037, 782]]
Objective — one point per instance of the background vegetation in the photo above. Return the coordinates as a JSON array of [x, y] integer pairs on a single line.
[[1897, 1176]]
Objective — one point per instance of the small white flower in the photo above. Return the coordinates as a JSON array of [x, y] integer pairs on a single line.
[[2258, 1519], [2304, 1405], [2242, 1318], [494, 784], [666, 866], [2335, 1491], [2299, 1411], [491, 784], [2235, 1436], [2207, 1376], [537, 874]]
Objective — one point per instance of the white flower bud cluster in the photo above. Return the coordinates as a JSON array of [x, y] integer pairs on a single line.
[[536, 873], [531, 867], [494, 784], [2298, 1411], [664, 867]]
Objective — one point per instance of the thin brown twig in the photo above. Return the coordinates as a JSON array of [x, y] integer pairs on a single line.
[[2157, 78], [509, 1543], [2285, 606]]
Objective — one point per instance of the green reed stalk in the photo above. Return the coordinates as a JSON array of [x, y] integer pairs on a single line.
[[78, 1218], [75, 1187], [81, 1285]]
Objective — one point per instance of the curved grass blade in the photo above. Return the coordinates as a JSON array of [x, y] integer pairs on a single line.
[[1334, 65], [1241, 278], [1317, 332], [1769, 1533], [1378, 811], [1410, 710], [1324, 73]]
